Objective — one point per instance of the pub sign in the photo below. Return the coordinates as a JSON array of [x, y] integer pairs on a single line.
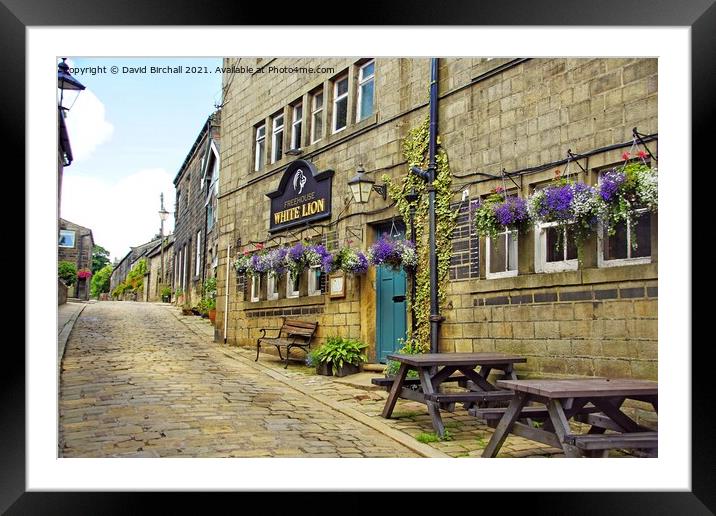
[[303, 196]]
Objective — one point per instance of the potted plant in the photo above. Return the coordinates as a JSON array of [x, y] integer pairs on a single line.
[[166, 294], [410, 347], [313, 359], [210, 299], [344, 355]]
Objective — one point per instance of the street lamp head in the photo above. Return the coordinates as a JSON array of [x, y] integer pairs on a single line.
[[67, 83], [361, 185], [164, 215]]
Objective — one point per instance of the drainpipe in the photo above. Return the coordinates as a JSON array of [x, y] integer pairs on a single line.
[[435, 317], [226, 291]]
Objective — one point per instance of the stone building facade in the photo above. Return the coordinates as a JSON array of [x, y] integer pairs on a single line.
[[195, 256], [159, 269], [517, 115], [120, 271], [75, 245]]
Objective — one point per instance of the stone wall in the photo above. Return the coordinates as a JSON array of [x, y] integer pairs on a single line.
[[493, 115]]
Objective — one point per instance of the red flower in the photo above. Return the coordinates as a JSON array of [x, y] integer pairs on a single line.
[[259, 246], [625, 156], [642, 154], [246, 253]]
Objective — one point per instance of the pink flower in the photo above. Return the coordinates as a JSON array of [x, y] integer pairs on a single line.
[[557, 172], [625, 156], [259, 246], [642, 154]]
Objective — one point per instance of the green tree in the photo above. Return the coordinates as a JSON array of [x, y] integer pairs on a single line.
[[67, 272], [100, 258], [100, 281]]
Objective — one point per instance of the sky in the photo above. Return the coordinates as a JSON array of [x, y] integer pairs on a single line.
[[130, 133]]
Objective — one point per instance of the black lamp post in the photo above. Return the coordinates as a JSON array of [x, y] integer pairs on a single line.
[[429, 177], [411, 197], [65, 82]]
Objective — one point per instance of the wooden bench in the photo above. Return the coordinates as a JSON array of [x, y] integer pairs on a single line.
[[387, 383], [296, 334], [632, 440]]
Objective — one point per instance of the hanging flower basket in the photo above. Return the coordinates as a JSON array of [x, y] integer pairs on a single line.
[[347, 260], [576, 206], [624, 190], [84, 274], [495, 214], [395, 254]]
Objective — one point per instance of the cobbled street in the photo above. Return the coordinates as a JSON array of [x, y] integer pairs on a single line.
[[135, 382]]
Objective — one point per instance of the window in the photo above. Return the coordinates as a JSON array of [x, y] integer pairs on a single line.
[[260, 147], [502, 255], [551, 253], [272, 287], [617, 249], [178, 206], [292, 286], [366, 90], [340, 104], [277, 140], [67, 238], [317, 116], [197, 268], [314, 280], [183, 278], [296, 125], [255, 288]]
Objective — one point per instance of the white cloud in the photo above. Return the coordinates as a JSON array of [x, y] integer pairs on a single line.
[[87, 126], [120, 214]]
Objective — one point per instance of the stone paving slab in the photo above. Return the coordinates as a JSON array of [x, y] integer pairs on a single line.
[[136, 383], [469, 435]]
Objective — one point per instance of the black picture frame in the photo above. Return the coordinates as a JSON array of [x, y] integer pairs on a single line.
[[699, 15]]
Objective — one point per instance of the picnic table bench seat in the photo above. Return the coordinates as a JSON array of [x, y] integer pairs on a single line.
[[292, 334], [387, 383], [612, 441]]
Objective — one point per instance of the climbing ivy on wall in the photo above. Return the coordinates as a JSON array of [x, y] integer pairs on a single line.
[[415, 151]]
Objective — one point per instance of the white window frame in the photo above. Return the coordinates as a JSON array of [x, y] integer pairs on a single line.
[[618, 262], [541, 263], [271, 287], [317, 111], [290, 293], [260, 147], [504, 273], [74, 238], [314, 280], [197, 265], [336, 100], [294, 122], [361, 81], [183, 279], [275, 130], [255, 288]]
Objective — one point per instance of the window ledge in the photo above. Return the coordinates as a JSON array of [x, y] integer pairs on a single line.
[[291, 302]]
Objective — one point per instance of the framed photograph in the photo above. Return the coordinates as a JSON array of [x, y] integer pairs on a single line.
[[37, 471], [337, 284]]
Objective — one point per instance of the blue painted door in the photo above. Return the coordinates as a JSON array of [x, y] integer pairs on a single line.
[[391, 314]]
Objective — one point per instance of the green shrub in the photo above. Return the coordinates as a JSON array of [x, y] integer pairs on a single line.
[[339, 350], [67, 272]]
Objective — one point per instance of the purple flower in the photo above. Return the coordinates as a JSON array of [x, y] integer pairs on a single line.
[[512, 211], [296, 252], [362, 266], [557, 203], [611, 181], [327, 263]]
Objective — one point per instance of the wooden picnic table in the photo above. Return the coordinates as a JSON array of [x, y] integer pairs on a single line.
[[594, 401], [434, 369]]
